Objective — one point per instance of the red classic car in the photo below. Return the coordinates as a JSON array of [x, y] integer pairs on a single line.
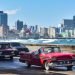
[[48, 57]]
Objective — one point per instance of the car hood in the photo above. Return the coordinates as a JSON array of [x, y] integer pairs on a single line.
[[60, 56]]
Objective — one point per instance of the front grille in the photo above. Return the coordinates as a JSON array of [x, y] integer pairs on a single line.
[[65, 57], [64, 62], [5, 52]]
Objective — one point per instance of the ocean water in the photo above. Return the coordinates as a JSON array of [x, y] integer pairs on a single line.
[[42, 41]]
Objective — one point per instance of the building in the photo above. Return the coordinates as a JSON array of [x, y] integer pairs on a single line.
[[43, 32], [22, 33], [13, 34], [3, 32], [74, 21], [52, 31], [74, 33], [3, 18], [36, 29], [67, 24], [19, 25], [69, 33], [32, 29], [25, 26], [4, 28]]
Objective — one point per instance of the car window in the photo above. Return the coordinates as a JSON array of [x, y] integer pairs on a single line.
[[40, 50], [36, 52], [48, 50], [51, 49], [15, 44], [4, 46], [57, 49]]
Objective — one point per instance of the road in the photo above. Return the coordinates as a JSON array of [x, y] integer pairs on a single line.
[[17, 68]]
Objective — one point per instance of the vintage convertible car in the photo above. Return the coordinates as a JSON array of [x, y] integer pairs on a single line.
[[48, 57]]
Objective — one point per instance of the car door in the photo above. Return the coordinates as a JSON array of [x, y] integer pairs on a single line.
[[36, 58]]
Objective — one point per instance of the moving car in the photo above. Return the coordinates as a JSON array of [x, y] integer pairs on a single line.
[[6, 51], [48, 57]]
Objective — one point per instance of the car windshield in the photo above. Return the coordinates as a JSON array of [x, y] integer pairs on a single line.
[[51, 49], [15, 44], [4, 46]]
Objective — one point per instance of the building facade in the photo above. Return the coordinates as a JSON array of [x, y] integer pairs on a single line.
[[19, 25], [3, 18], [67, 24], [3, 32], [52, 32], [4, 28], [43, 32]]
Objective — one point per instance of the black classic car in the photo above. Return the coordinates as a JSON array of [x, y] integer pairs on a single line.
[[18, 47]]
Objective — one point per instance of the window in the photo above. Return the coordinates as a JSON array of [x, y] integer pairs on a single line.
[[48, 50], [15, 44], [51, 49], [36, 52], [57, 49], [4, 46]]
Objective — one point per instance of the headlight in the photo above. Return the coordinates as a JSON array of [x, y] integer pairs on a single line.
[[22, 52], [53, 58], [14, 49]]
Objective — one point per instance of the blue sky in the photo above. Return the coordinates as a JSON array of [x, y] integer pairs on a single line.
[[41, 12]]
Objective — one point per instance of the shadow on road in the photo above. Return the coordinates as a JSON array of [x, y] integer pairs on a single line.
[[27, 72], [15, 67]]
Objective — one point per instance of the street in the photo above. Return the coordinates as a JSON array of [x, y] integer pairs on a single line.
[[18, 68]]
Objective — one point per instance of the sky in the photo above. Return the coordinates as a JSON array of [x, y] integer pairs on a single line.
[[38, 12]]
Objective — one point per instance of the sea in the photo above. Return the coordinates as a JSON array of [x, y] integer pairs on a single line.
[[42, 41]]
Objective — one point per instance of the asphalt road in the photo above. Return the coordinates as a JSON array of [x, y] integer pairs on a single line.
[[17, 68]]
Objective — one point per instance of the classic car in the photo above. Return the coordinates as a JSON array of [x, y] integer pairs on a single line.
[[17, 47], [48, 57], [6, 51]]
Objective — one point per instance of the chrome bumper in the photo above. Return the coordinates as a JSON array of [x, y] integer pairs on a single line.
[[62, 63]]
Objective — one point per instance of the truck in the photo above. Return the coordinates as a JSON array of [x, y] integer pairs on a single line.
[[47, 57]]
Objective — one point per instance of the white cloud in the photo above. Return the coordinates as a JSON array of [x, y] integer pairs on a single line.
[[11, 12]]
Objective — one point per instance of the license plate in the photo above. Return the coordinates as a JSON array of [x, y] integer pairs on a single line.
[[22, 51]]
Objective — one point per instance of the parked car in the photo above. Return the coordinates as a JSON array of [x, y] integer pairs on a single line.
[[6, 51], [17, 47], [48, 57]]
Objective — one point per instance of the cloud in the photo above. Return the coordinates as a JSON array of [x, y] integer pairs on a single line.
[[11, 12]]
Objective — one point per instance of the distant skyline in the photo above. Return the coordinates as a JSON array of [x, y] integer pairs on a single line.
[[38, 12]]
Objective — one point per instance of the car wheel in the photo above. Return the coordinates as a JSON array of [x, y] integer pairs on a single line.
[[69, 67], [28, 65], [46, 66]]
